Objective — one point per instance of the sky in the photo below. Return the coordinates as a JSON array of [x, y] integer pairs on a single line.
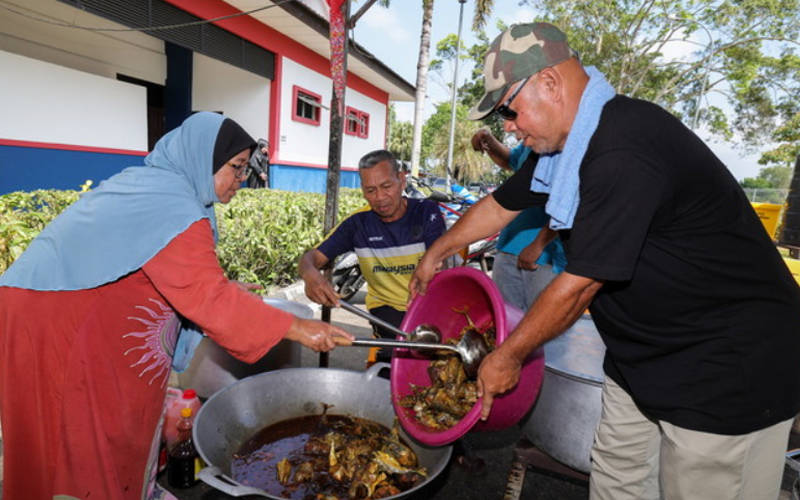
[[393, 35]]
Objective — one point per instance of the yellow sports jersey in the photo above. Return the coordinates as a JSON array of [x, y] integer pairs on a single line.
[[387, 252]]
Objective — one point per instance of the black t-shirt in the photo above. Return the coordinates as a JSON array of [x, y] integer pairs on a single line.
[[699, 313]]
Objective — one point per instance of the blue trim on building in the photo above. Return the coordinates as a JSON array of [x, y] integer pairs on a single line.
[[27, 169], [312, 180]]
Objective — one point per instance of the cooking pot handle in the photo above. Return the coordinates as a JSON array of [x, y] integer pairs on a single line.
[[214, 477], [373, 370]]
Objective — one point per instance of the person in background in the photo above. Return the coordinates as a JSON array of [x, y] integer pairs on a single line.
[[91, 316], [258, 176], [529, 253], [388, 236], [699, 313]]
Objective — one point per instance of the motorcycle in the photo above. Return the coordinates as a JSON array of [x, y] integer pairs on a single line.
[[479, 254], [346, 276]]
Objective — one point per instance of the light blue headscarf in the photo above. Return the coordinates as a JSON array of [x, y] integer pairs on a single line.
[[115, 229]]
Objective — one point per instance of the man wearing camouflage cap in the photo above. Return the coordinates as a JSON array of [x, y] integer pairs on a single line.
[[699, 314]]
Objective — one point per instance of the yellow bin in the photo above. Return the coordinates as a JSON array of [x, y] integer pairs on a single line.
[[770, 215], [794, 267]]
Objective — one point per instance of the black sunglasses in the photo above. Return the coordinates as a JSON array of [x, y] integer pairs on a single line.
[[503, 110]]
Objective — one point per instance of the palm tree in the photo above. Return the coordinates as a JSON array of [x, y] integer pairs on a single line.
[[468, 164], [423, 64], [483, 9]]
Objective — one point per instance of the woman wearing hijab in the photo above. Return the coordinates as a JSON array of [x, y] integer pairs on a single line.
[[90, 316], [259, 166]]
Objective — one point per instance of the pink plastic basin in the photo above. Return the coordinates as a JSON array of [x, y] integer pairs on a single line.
[[458, 288]]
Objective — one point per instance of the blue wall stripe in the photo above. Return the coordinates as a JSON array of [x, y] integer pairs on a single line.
[[312, 180], [27, 169]]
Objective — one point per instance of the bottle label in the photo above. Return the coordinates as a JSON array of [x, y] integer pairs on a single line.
[[198, 466]]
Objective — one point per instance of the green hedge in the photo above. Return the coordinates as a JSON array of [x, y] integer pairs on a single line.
[[263, 232]]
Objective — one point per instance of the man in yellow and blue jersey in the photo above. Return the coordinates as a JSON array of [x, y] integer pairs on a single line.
[[389, 236]]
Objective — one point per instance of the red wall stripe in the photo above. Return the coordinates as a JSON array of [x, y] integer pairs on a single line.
[[274, 41], [70, 147], [312, 165]]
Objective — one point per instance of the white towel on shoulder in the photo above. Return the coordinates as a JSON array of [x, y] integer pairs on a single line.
[[558, 173]]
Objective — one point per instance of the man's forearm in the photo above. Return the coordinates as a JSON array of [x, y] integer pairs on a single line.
[[310, 265], [556, 309], [545, 236], [500, 157], [482, 220]]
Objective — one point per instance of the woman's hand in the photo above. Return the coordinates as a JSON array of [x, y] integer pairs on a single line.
[[316, 335]]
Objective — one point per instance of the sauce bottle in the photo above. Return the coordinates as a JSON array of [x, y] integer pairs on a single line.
[[183, 462], [186, 399]]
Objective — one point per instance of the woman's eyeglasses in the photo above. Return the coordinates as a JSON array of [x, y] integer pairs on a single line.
[[240, 170], [503, 110]]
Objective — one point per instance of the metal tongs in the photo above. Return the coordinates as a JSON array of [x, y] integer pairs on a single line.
[[422, 333], [472, 347]]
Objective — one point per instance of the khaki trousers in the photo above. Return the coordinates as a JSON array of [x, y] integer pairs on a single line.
[[638, 458]]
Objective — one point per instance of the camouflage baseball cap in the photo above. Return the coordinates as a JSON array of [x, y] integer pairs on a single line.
[[520, 51]]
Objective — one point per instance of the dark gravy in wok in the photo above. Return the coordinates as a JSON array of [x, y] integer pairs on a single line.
[[305, 440]]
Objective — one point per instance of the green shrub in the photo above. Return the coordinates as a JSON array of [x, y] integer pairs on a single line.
[[23, 215], [262, 233]]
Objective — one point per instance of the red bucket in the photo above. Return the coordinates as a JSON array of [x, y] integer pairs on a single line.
[[458, 288]]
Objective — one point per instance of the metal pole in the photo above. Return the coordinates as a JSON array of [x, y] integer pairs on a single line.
[[453, 100], [334, 164]]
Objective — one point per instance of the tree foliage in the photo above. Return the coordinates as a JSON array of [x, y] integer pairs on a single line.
[[770, 178], [467, 96], [787, 151], [400, 137], [482, 10], [751, 61], [468, 164]]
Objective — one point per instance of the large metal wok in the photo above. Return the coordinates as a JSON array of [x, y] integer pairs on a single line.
[[564, 418], [234, 414]]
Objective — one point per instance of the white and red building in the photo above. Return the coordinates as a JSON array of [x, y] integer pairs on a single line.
[[88, 86]]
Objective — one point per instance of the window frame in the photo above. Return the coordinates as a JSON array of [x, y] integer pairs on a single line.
[[317, 120], [361, 121]]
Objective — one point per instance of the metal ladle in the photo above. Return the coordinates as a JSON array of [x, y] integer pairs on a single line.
[[422, 333], [472, 348]]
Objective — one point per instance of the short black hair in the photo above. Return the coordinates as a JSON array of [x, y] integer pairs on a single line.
[[372, 158]]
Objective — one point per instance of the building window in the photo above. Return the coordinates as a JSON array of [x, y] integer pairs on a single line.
[[307, 106], [356, 123]]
